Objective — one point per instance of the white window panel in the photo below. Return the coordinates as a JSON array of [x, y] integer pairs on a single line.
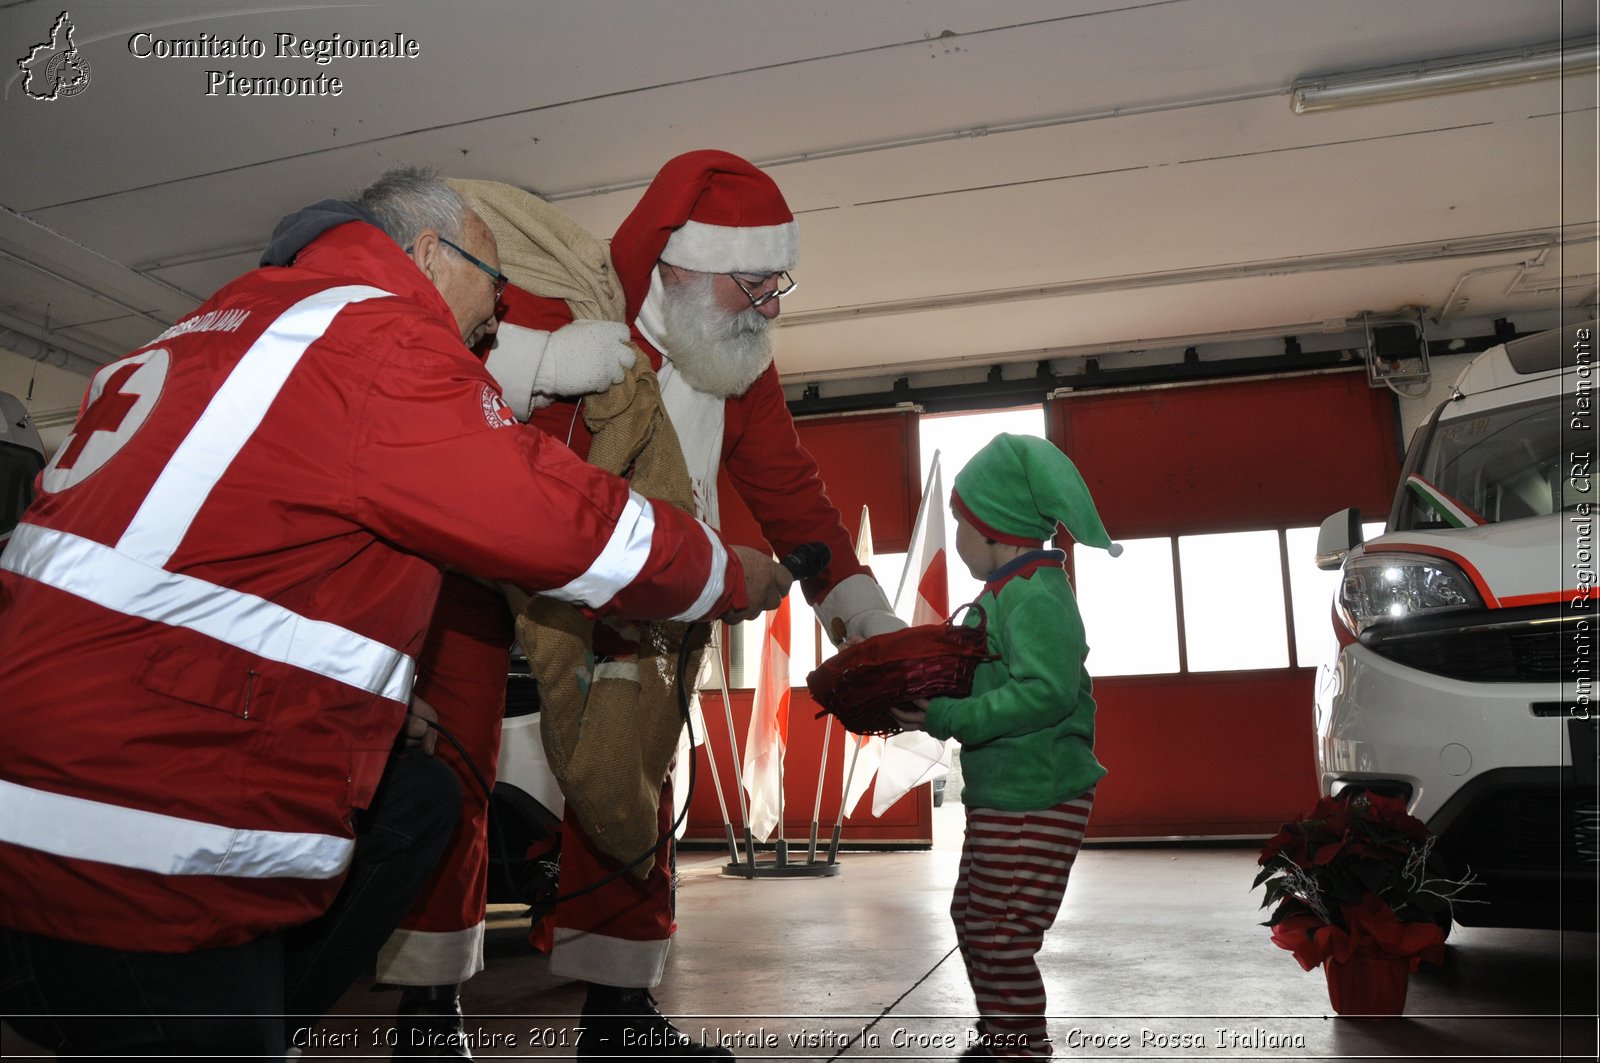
[[1233, 615], [1129, 608]]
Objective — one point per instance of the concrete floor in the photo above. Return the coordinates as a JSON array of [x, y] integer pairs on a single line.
[[1157, 955]]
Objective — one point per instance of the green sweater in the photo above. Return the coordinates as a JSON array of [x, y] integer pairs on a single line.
[[1027, 729]]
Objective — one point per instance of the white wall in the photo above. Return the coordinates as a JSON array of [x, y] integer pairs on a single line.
[[56, 394]]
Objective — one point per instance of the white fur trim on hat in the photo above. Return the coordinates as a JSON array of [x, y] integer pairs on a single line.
[[733, 249]]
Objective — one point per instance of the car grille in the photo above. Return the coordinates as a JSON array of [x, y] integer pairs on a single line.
[[1518, 646], [1529, 830]]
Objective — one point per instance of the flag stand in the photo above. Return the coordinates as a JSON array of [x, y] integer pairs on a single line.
[[780, 866]]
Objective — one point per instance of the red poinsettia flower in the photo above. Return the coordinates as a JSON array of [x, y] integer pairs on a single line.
[[1353, 875], [1390, 813]]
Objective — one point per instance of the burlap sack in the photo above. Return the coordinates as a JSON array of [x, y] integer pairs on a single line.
[[609, 737]]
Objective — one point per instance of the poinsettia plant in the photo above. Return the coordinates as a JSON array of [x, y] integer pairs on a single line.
[[1354, 875]]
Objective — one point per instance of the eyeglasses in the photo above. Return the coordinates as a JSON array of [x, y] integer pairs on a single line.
[[783, 284], [500, 279]]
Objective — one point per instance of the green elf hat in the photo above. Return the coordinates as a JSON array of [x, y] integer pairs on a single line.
[[1018, 488]]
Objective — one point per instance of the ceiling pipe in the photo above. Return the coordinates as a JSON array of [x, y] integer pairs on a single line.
[[21, 338], [1439, 77], [1393, 256]]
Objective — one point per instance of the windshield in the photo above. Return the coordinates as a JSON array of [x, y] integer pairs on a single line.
[[18, 467], [1500, 465]]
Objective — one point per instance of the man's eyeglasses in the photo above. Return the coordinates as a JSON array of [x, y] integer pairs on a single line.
[[500, 279], [782, 285]]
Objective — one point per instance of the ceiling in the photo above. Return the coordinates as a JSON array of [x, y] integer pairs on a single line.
[[999, 183]]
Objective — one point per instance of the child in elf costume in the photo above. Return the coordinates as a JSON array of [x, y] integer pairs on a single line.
[[1026, 730]]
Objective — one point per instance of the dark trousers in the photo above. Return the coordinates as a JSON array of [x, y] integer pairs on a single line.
[[244, 1000]]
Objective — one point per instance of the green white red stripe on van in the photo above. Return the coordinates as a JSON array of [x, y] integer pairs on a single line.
[[1450, 510]]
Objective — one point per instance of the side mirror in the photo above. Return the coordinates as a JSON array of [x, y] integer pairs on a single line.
[[1338, 535]]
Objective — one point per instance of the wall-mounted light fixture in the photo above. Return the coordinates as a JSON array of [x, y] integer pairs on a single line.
[[1436, 77]]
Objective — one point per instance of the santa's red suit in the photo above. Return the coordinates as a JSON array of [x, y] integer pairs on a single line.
[[618, 933], [210, 614], [728, 217], [711, 213]]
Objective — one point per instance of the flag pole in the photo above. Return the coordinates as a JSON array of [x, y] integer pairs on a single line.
[[864, 556], [711, 755], [738, 773], [838, 823], [822, 771], [906, 608], [780, 844]]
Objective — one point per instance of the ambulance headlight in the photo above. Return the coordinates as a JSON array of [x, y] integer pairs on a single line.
[[1379, 588]]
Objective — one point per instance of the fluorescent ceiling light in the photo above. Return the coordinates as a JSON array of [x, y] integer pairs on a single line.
[[1439, 76]]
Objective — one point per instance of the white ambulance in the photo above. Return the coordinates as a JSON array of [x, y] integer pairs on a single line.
[[1462, 678], [21, 458]]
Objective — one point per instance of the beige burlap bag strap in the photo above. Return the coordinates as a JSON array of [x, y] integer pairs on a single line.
[[610, 732]]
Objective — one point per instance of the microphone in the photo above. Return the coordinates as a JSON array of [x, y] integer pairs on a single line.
[[807, 560]]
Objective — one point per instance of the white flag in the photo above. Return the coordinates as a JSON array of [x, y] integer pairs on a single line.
[[912, 758], [865, 762], [768, 737]]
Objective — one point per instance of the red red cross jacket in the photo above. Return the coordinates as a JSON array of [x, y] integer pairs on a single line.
[[210, 614]]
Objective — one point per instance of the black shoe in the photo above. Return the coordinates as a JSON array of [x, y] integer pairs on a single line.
[[429, 1025], [621, 1023], [977, 1046]]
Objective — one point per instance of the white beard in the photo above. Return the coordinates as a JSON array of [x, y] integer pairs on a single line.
[[719, 353]]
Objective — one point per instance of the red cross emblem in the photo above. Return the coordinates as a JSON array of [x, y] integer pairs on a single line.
[[120, 399], [105, 414]]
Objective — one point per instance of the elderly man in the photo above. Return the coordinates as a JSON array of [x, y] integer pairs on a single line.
[[212, 612]]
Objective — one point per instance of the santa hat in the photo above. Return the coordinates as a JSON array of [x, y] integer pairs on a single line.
[[709, 211], [1018, 488]]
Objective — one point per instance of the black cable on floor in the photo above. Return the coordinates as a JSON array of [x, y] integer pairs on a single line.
[[862, 1036]]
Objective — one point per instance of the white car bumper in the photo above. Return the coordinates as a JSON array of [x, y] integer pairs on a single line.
[[1382, 721]]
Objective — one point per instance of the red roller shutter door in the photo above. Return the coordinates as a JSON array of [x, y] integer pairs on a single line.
[[1221, 752]]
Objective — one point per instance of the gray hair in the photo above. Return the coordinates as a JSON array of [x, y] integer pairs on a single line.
[[405, 201]]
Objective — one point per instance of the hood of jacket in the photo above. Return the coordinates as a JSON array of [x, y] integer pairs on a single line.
[[341, 239]]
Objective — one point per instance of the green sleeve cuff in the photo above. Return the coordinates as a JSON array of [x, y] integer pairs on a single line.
[[938, 723]]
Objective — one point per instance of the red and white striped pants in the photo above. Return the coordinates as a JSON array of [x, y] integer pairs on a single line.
[[1014, 869]]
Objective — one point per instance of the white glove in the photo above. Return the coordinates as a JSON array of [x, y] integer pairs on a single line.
[[872, 622], [857, 609], [513, 362], [583, 358], [530, 365]]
